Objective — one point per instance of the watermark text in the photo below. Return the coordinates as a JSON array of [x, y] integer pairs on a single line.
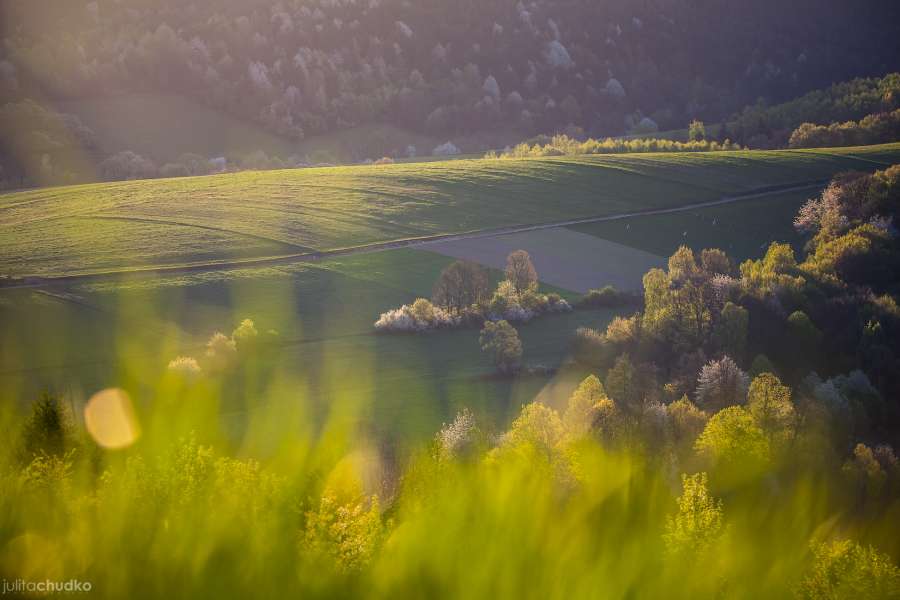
[[45, 586]]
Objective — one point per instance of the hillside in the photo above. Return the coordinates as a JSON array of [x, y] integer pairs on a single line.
[[260, 215], [762, 126], [164, 126], [302, 68]]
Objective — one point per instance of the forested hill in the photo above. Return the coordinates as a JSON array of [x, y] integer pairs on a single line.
[[304, 67]]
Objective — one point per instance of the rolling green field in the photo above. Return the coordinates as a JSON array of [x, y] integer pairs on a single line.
[[563, 257], [118, 226], [743, 229], [91, 336], [123, 328]]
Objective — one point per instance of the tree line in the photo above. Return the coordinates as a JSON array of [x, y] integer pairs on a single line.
[[462, 297]]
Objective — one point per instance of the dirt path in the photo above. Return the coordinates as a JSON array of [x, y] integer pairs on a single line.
[[269, 261]]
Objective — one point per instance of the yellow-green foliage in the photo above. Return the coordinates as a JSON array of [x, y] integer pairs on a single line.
[[546, 515], [688, 421], [563, 145], [537, 427], [698, 523], [622, 383], [583, 404], [776, 270], [733, 437], [872, 129], [834, 256], [769, 402], [844, 570], [500, 341], [48, 472], [674, 301], [348, 535]]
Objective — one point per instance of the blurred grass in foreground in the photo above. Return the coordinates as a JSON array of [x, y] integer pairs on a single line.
[[151, 490], [186, 510]]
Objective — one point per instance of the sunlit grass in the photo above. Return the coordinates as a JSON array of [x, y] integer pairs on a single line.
[[127, 225]]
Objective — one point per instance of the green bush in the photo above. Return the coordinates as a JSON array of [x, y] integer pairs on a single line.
[[606, 297], [562, 145], [49, 429]]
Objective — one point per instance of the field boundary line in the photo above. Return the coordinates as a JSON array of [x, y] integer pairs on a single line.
[[316, 256]]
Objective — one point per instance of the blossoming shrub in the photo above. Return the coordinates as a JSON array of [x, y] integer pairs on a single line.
[[420, 316]]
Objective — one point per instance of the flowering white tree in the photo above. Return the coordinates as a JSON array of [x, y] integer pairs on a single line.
[[491, 87], [420, 316], [514, 98], [459, 438], [127, 165], [185, 366], [446, 149], [220, 350], [614, 88], [404, 29], [557, 56], [721, 383], [259, 75]]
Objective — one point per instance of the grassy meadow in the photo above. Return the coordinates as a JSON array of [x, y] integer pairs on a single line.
[[743, 229], [119, 226], [324, 311], [323, 314]]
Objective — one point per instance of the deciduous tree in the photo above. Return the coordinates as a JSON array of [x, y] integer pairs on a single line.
[[770, 404], [460, 285], [580, 412], [730, 330], [721, 384], [698, 523], [520, 271], [733, 438], [501, 341]]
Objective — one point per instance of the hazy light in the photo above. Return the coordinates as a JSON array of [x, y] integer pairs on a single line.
[[32, 557], [109, 418]]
